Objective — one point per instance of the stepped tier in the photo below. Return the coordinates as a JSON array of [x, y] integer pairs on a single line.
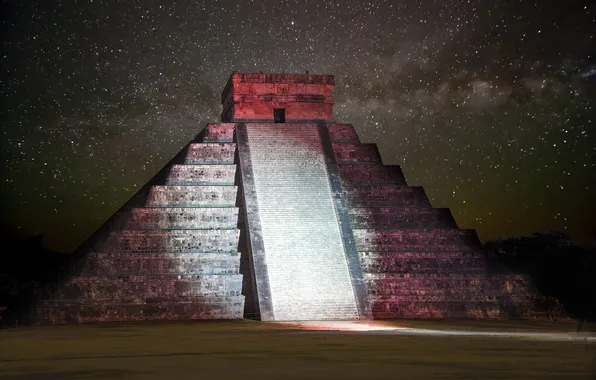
[[403, 218], [371, 175], [56, 312], [183, 218], [386, 196], [161, 263], [172, 241], [394, 307], [219, 132], [342, 133], [424, 262], [502, 306], [436, 284], [139, 289], [282, 221], [210, 153], [201, 175], [356, 153], [192, 196], [416, 240]]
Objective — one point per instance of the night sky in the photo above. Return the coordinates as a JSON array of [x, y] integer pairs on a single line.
[[490, 105]]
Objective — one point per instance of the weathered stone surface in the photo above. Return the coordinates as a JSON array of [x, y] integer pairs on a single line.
[[387, 196], [297, 224], [178, 218], [202, 175], [407, 217], [434, 264], [356, 153], [342, 133], [140, 289], [371, 175], [192, 196], [253, 97], [162, 263], [173, 241], [190, 308], [416, 240], [210, 153], [220, 132]]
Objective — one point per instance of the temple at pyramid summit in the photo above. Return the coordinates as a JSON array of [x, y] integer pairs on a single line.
[[279, 213]]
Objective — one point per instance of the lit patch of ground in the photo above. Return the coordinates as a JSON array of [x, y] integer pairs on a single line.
[[253, 350]]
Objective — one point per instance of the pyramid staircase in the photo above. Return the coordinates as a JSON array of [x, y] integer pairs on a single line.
[[169, 253], [417, 263]]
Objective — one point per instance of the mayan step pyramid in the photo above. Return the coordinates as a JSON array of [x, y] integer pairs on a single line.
[[279, 213]]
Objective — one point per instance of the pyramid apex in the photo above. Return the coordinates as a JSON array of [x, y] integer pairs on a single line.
[[275, 97]]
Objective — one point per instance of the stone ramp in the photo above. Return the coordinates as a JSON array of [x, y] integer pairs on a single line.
[[301, 264]]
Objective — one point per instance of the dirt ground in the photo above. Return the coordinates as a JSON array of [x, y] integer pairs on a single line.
[[254, 350]]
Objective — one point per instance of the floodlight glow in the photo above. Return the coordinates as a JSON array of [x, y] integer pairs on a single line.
[[303, 251]]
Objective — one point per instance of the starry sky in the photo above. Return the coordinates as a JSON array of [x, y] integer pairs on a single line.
[[490, 105]]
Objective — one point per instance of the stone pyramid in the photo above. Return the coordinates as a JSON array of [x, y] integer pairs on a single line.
[[279, 213]]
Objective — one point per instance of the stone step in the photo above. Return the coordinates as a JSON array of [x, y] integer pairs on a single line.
[[387, 196], [422, 255], [219, 132], [192, 196], [140, 289], [371, 175], [202, 175], [183, 218], [192, 308], [370, 240], [342, 133], [446, 297], [162, 263], [210, 153], [393, 309], [356, 153], [410, 217], [477, 267], [390, 283], [172, 241]]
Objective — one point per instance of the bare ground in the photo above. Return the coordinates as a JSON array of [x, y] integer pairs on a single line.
[[254, 350]]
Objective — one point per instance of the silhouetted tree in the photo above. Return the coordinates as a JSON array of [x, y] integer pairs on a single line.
[[25, 269], [559, 268]]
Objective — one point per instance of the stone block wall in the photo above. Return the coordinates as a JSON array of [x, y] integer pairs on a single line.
[[252, 97], [417, 263], [173, 253]]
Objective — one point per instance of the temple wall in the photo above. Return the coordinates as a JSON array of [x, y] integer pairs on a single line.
[[262, 111]]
